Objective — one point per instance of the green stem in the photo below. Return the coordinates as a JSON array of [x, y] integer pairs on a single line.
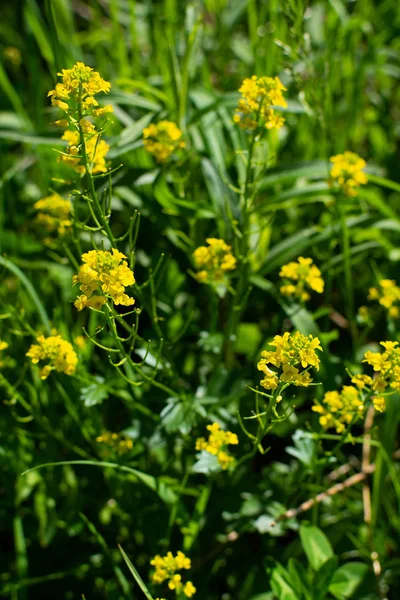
[[348, 281]]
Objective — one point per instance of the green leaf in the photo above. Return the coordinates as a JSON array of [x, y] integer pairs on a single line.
[[136, 575], [347, 579], [94, 393], [280, 585], [316, 546], [299, 577], [323, 578]]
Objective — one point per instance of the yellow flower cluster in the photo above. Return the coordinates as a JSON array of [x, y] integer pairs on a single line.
[[388, 295], [255, 108], [364, 382], [216, 444], [162, 140], [292, 351], [103, 275], [338, 409], [214, 261], [54, 214], [57, 353], [75, 96], [386, 365], [305, 274], [81, 84], [347, 173], [115, 442], [165, 569], [96, 150]]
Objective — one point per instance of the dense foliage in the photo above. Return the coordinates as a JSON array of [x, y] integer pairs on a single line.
[[200, 299]]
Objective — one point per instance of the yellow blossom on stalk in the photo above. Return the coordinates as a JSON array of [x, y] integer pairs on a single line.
[[75, 96], [162, 140], [96, 151], [293, 353], [78, 84], [338, 409], [115, 442], [56, 353], [103, 275], [347, 173], [54, 214], [305, 275], [165, 569], [386, 365], [213, 261], [388, 295], [216, 444], [259, 96]]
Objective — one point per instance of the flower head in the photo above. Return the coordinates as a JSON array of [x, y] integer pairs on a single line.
[[162, 140], [115, 442], [305, 275], [166, 569], [386, 365], [54, 214], [347, 173], [256, 107], [214, 261], [217, 443], [293, 353], [103, 275], [388, 295], [338, 409], [78, 83], [54, 353]]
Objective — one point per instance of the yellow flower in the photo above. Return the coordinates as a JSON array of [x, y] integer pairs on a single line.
[[379, 403], [361, 381], [292, 351], [388, 296], [57, 353], [214, 261], [255, 108], [338, 409], [216, 443], [54, 214], [162, 140], [78, 83], [165, 569], [305, 274], [188, 589], [115, 442], [347, 173], [387, 365], [103, 275], [96, 151]]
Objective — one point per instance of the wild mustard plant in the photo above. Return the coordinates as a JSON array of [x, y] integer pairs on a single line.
[[217, 443], [388, 295], [256, 108], [166, 569], [54, 214], [114, 443], [214, 261], [75, 95], [162, 140], [53, 353], [347, 173], [103, 275], [294, 354], [302, 274]]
